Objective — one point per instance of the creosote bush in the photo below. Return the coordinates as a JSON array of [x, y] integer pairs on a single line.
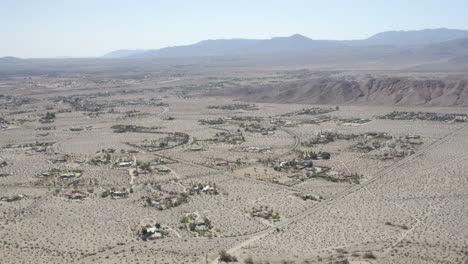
[[226, 257]]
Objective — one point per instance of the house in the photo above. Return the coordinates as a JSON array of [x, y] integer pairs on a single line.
[[196, 149], [59, 160], [67, 175], [263, 214], [164, 202], [163, 170], [156, 236], [154, 232], [12, 198], [222, 163], [207, 188], [125, 164], [400, 154], [306, 196], [199, 221], [75, 195], [119, 194]]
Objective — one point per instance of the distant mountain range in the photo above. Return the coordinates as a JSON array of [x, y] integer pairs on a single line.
[[298, 43], [9, 59]]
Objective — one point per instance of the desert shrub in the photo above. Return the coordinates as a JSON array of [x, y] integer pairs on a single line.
[[226, 257], [192, 226], [370, 255], [249, 260]]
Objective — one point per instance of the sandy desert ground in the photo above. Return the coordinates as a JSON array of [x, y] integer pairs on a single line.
[[90, 164]]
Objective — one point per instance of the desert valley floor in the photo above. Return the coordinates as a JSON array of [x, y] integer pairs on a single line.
[[151, 170]]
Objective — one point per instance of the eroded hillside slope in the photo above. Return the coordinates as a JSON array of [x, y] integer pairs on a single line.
[[375, 91]]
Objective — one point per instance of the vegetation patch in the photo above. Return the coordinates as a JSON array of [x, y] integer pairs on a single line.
[[246, 107], [428, 116]]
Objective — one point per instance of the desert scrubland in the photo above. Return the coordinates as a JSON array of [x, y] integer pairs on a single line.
[[176, 167]]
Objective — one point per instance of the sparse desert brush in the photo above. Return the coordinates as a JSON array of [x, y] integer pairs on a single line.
[[369, 255]]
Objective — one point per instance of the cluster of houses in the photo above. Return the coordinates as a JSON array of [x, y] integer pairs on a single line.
[[311, 155], [336, 176], [46, 128], [31, 148], [311, 111], [218, 121], [309, 196], [431, 116], [293, 165], [61, 159], [133, 128], [75, 195], [172, 140], [265, 213], [245, 107], [66, 175], [116, 194], [325, 137], [388, 147], [297, 175], [400, 148], [10, 101], [229, 137], [167, 201], [371, 141], [102, 157], [258, 127], [152, 232], [195, 222], [49, 117], [199, 188], [257, 149], [301, 170], [244, 118], [354, 121], [60, 174]]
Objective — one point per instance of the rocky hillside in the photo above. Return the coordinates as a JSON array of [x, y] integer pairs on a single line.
[[379, 91]]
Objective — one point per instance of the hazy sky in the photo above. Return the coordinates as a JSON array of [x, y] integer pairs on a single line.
[[52, 28]]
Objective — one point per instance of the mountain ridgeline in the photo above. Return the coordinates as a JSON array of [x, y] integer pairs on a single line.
[[372, 91], [297, 43]]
